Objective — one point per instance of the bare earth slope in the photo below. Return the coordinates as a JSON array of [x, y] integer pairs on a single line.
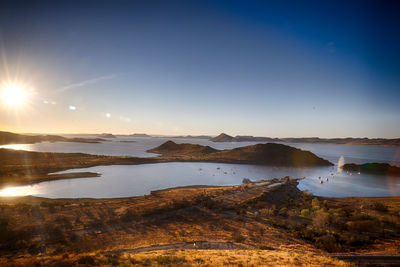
[[260, 223]]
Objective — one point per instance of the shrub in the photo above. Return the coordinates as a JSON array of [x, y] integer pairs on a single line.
[[321, 219], [35, 211], [128, 216], [55, 233], [362, 226], [337, 212], [307, 195], [378, 206], [241, 211], [305, 213], [265, 247], [87, 260], [283, 211], [355, 240], [64, 222], [199, 260], [169, 259], [316, 205], [134, 261], [238, 238], [328, 243], [96, 223]]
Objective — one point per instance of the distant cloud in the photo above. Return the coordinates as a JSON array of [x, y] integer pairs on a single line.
[[84, 83]]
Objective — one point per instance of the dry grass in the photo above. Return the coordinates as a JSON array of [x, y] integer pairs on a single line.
[[254, 217], [184, 258]]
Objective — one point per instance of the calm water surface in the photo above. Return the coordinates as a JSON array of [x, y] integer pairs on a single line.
[[134, 180]]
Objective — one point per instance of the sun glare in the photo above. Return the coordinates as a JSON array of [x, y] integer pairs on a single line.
[[14, 95]]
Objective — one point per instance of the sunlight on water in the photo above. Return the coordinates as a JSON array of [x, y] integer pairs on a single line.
[[17, 191], [17, 146]]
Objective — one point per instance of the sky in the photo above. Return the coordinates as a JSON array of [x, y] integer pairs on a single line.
[[264, 68]]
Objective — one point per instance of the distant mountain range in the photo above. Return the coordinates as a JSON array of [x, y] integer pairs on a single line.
[[223, 137], [107, 135], [139, 135], [13, 138], [194, 136]]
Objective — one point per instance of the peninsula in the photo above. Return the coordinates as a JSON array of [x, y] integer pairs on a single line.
[[13, 138]]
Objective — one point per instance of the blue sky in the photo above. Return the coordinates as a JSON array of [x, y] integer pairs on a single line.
[[266, 68]]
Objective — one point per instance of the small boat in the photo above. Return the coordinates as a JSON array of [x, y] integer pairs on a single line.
[[321, 182], [327, 179]]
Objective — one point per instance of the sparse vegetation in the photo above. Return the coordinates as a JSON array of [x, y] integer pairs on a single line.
[[252, 216]]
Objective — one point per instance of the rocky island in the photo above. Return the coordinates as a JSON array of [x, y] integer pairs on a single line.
[[260, 154], [224, 138], [373, 168], [139, 135], [107, 135]]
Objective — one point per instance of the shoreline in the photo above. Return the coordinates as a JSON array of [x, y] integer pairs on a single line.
[[27, 167], [35, 179]]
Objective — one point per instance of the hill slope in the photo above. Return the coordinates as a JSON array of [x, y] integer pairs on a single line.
[[260, 154], [173, 149], [224, 138]]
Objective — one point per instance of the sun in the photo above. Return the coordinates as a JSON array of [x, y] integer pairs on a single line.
[[14, 95]]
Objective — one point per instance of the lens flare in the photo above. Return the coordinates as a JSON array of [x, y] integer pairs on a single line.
[[15, 95]]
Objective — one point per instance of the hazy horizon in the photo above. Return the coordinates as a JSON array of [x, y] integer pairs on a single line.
[[175, 135], [276, 69]]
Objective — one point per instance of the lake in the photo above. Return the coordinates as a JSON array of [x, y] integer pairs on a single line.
[[134, 180]]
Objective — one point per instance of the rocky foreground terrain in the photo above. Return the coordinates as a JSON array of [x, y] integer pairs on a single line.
[[260, 224]]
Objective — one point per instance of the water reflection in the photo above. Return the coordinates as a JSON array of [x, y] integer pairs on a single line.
[[17, 146], [18, 191], [136, 180]]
